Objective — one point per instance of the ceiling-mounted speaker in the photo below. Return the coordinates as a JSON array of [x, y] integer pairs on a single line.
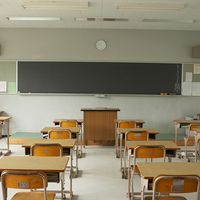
[[196, 52]]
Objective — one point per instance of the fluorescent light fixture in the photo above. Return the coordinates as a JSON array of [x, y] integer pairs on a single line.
[[55, 4], [129, 5], [34, 18], [189, 21], [97, 19]]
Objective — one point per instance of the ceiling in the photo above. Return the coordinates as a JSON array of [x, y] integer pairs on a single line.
[[104, 14]]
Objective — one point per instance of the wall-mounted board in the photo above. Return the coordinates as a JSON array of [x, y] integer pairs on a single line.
[[99, 77]]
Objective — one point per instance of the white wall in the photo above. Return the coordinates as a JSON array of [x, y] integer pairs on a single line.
[[32, 113], [35, 112]]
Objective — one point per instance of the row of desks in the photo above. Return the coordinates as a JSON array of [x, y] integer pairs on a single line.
[[28, 139], [69, 147]]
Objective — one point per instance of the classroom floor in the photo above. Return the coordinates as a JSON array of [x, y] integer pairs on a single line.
[[99, 176]]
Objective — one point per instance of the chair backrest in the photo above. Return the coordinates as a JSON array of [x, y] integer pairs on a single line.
[[59, 134], [175, 184], [127, 124], [149, 151], [47, 150], [193, 126], [69, 123], [23, 180], [190, 130], [136, 136]]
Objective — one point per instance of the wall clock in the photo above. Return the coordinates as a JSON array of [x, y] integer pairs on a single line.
[[101, 45]]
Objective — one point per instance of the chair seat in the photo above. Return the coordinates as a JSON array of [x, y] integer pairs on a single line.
[[166, 198], [33, 196]]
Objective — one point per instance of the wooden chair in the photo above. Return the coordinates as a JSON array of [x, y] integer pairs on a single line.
[[68, 123], [26, 180], [127, 124], [47, 150], [164, 185], [142, 152], [136, 136], [191, 138], [59, 134], [133, 136], [121, 137]]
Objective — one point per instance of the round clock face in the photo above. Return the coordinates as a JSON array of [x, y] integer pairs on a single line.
[[101, 45]]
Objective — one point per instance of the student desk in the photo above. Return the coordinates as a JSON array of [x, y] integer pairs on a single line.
[[75, 130], [139, 124], [19, 138], [170, 147], [69, 145], [150, 170], [80, 124], [183, 123], [57, 121], [4, 121], [121, 132], [45, 164]]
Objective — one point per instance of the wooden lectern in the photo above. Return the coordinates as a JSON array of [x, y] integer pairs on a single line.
[[99, 125]]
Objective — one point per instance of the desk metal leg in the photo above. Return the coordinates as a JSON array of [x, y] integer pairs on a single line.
[[80, 142], [71, 171], [176, 131], [62, 185], [74, 169], [123, 169], [5, 124], [76, 165], [116, 142], [81, 145], [120, 149]]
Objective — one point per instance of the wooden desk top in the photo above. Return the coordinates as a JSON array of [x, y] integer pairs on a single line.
[[100, 109], [80, 121], [4, 118], [46, 164], [166, 144], [182, 121], [72, 129], [139, 121], [150, 170], [19, 138], [149, 130], [66, 143]]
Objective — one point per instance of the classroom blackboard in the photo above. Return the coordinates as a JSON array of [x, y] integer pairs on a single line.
[[99, 77]]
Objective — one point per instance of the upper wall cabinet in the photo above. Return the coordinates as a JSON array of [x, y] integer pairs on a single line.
[[7, 77]]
